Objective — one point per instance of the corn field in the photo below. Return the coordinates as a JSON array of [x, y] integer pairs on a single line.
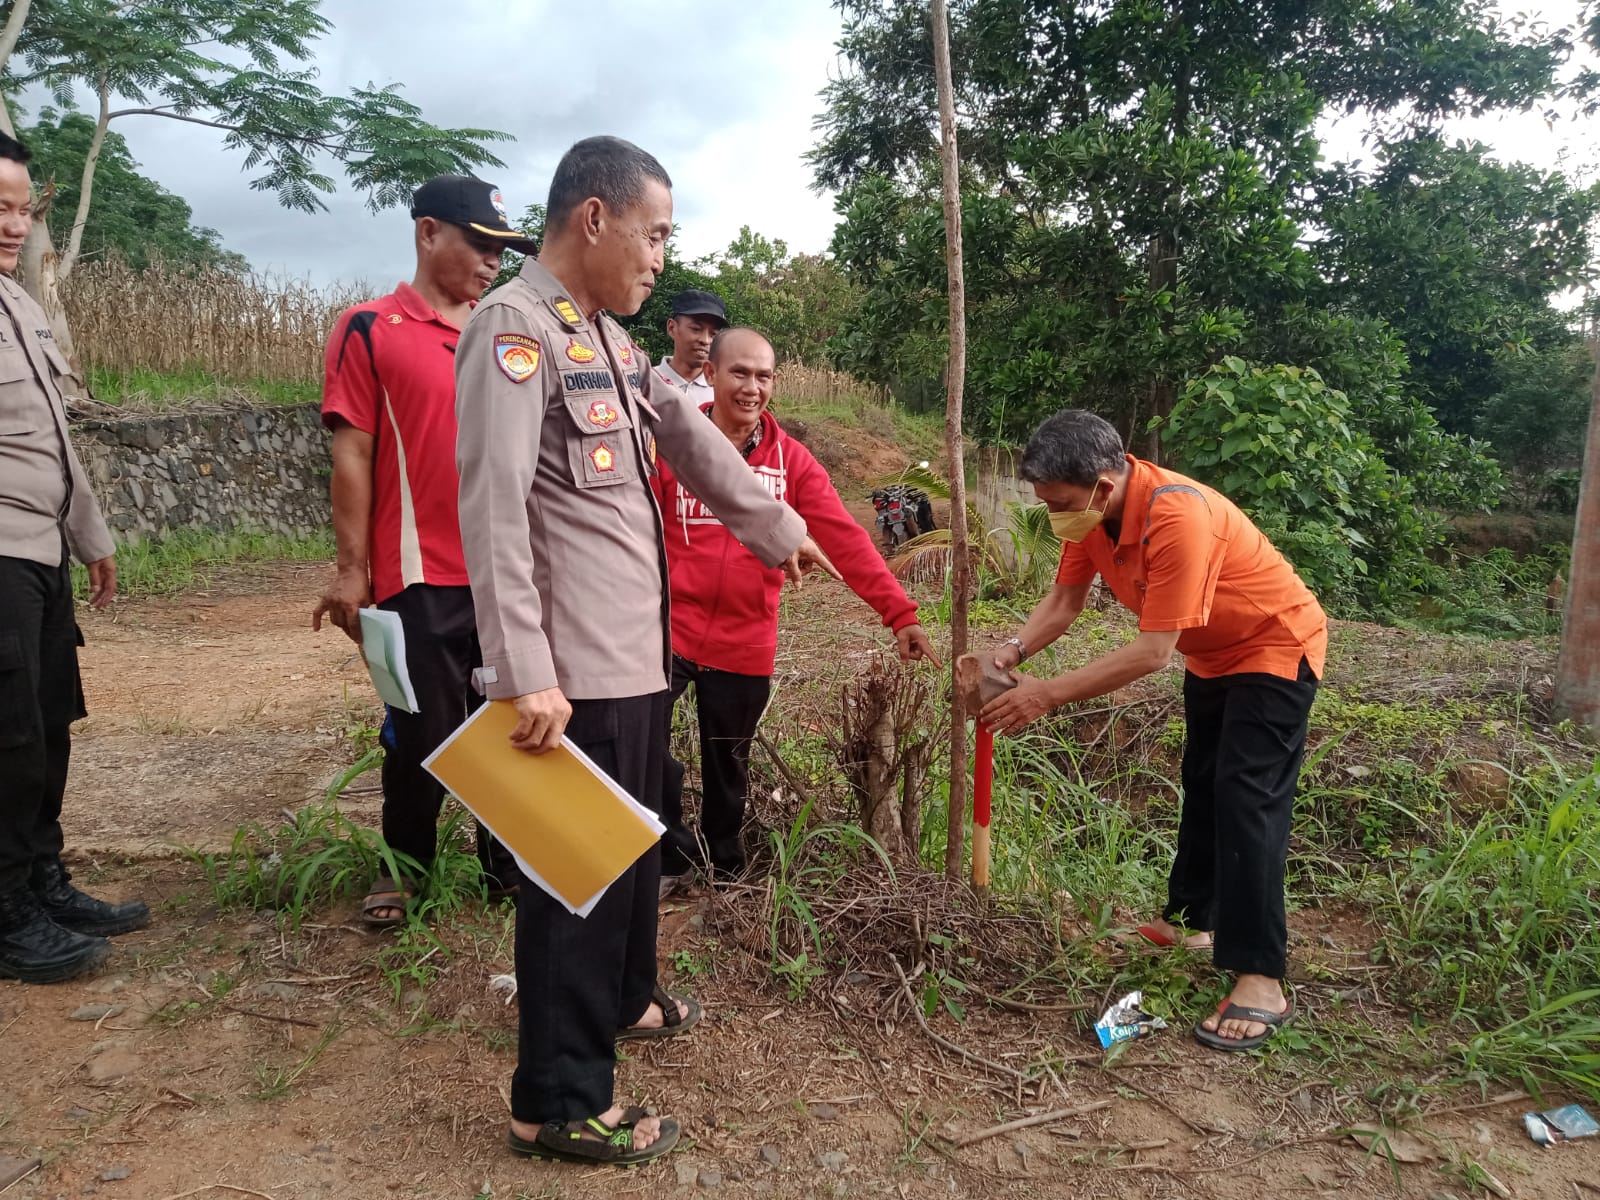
[[248, 329], [823, 385], [234, 328]]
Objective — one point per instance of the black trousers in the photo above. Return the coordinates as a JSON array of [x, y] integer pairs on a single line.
[[728, 707], [580, 979], [441, 654], [1245, 739], [40, 696]]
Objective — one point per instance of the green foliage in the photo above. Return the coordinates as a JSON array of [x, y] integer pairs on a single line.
[[1496, 594], [1280, 443], [1138, 184], [1460, 255], [1498, 922], [808, 860], [1142, 196], [132, 216], [798, 301], [321, 856], [140, 387], [184, 559], [1536, 419], [244, 68]]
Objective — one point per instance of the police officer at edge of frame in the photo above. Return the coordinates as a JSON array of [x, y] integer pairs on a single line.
[[559, 416], [49, 930], [1205, 582]]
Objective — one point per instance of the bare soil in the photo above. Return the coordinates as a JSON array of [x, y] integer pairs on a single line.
[[200, 1073]]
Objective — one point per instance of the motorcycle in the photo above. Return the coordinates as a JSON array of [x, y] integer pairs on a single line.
[[903, 513]]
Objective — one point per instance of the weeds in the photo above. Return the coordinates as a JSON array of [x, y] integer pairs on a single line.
[[1498, 925], [322, 856], [191, 384], [807, 861], [182, 560], [274, 1082]]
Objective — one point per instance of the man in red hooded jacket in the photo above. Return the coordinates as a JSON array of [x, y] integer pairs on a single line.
[[725, 603]]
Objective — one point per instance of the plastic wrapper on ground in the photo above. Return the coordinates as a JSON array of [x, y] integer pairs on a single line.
[[1560, 1125], [1126, 1020]]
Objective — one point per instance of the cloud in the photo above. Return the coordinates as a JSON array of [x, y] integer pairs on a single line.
[[723, 93]]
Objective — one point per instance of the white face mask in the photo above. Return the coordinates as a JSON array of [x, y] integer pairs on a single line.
[[1078, 524]]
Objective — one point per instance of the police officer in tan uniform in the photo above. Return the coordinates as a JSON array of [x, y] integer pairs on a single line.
[[559, 419], [49, 930]]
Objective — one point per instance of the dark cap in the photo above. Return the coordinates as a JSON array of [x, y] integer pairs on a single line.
[[692, 302], [472, 204]]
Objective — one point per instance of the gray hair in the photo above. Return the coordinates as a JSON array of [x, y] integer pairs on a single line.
[[611, 170], [1073, 447]]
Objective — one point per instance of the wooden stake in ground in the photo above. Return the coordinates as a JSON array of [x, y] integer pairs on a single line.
[[955, 377], [979, 681], [1578, 670]]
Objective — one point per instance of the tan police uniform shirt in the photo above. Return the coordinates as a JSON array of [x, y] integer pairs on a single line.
[[559, 421], [43, 490]]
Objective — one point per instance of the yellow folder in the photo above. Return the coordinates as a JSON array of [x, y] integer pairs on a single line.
[[572, 829]]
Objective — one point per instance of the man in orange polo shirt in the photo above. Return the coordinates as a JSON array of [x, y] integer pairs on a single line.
[[1205, 582]]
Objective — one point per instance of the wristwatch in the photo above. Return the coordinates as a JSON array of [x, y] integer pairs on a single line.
[[1022, 651]]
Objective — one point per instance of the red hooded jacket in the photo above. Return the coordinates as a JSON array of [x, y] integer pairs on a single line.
[[724, 602]]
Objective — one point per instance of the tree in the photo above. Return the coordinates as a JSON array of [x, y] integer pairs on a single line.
[[1139, 179], [134, 216], [955, 383], [1578, 667], [237, 66], [1460, 255], [1536, 417], [798, 301]]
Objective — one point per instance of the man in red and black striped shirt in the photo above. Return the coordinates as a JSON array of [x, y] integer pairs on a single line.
[[389, 397]]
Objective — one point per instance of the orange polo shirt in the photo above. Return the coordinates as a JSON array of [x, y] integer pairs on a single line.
[[1186, 558]]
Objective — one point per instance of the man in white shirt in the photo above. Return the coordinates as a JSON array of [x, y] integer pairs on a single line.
[[696, 318]]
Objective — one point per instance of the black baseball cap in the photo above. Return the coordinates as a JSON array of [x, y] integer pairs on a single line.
[[472, 204], [692, 302]]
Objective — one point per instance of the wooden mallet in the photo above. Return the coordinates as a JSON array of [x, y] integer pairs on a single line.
[[978, 681]]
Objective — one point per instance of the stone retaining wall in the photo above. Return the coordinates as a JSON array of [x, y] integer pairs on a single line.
[[262, 468]]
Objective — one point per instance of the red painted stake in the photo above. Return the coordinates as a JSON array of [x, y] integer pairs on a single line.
[[982, 790]]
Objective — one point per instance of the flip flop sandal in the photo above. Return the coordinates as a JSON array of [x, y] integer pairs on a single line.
[[1229, 1011], [1157, 937], [593, 1141], [386, 893], [673, 1022]]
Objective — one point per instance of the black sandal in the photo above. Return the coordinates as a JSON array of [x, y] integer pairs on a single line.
[[672, 1021], [593, 1141], [1229, 1011], [387, 892]]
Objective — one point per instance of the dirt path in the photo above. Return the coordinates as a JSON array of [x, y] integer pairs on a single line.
[[210, 711], [222, 1049]]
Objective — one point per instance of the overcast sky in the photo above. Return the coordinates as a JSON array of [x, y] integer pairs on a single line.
[[723, 93]]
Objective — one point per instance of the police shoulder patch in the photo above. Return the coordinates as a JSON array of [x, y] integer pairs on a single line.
[[517, 354]]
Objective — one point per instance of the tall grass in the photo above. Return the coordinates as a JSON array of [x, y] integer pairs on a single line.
[[1497, 925], [183, 560], [219, 325], [321, 856], [807, 385]]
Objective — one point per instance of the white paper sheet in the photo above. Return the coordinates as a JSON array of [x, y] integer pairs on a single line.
[[383, 645]]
